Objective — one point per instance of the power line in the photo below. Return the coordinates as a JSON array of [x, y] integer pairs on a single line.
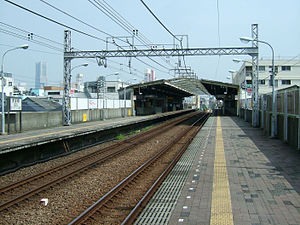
[[81, 21], [218, 16], [66, 26], [25, 38], [31, 34], [97, 28], [54, 21], [219, 37], [121, 21], [159, 20]]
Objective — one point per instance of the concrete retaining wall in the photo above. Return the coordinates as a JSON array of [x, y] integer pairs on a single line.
[[40, 120]]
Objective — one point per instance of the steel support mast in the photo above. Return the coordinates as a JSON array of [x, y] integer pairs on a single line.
[[67, 80], [255, 81]]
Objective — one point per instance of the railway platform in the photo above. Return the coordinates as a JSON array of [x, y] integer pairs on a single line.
[[230, 174], [19, 141]]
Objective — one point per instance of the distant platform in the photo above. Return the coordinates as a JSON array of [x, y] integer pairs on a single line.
[[14, 142]]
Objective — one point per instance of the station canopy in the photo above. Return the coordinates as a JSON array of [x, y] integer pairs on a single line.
[[182, 87]]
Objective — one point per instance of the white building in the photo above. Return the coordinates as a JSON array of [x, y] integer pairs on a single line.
[[8, 84], [287, 74], [78, 86], [109, 90]]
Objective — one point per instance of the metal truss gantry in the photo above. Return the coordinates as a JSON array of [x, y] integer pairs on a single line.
[[255, 84], [161, 52], [69, 54]]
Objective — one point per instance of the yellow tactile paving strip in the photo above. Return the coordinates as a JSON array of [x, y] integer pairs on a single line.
[[221, 210]]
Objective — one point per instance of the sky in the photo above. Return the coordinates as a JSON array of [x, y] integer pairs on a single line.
[[206, 23]]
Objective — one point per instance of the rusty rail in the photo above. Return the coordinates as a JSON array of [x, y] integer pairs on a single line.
[[96, 157], [96, 207]]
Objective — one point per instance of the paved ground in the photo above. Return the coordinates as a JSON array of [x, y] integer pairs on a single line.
[[263, 176]]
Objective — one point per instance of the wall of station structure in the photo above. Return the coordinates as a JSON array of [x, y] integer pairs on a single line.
[[39, 120], [287, 114]]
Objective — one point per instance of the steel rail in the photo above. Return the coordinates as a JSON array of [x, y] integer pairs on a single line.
[[125, 145], [63, 166], [82, 218], [147, 197]]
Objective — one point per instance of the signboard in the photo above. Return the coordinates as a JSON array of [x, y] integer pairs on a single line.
[[92, 103], [15, 104]]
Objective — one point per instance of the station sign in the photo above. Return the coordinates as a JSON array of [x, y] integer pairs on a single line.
[[15, 104]]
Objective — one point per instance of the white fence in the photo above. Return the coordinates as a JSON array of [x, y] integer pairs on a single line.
[[85, 103]]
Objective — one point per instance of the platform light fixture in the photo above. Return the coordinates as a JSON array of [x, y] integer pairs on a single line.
[[25, 46], [84, 64], [272, 77]]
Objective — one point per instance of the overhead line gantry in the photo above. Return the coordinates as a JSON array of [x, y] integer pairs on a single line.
[[102, 55]]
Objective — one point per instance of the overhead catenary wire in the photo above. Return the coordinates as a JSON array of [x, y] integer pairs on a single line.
[[219, 36], [27, 32], [24, 37], [101, 30], [54, 21], [81, 21], [174, 36], [122, 22], [152, 13], [74, 29], [66, 26], [34, 41]]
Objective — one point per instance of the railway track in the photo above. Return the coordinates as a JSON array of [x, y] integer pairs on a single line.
[[24, 189], [119, 205]]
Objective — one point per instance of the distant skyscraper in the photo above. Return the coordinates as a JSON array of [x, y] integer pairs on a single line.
[[40, 74]]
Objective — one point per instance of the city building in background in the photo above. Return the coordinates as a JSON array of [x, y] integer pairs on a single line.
[[40, 75], [95, 89], [78, 85], [52, 91], [287, 74], [149, 75], [8, 84]]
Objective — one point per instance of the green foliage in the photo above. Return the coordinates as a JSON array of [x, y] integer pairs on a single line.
[[147, 128], [120, 137]]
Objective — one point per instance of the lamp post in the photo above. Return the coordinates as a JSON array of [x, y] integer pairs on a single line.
[[232, 75], [272, 77], [84, 64], [2, 85]]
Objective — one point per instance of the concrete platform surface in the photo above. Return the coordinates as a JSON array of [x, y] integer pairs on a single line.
[[26, 139], [231, 174]]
